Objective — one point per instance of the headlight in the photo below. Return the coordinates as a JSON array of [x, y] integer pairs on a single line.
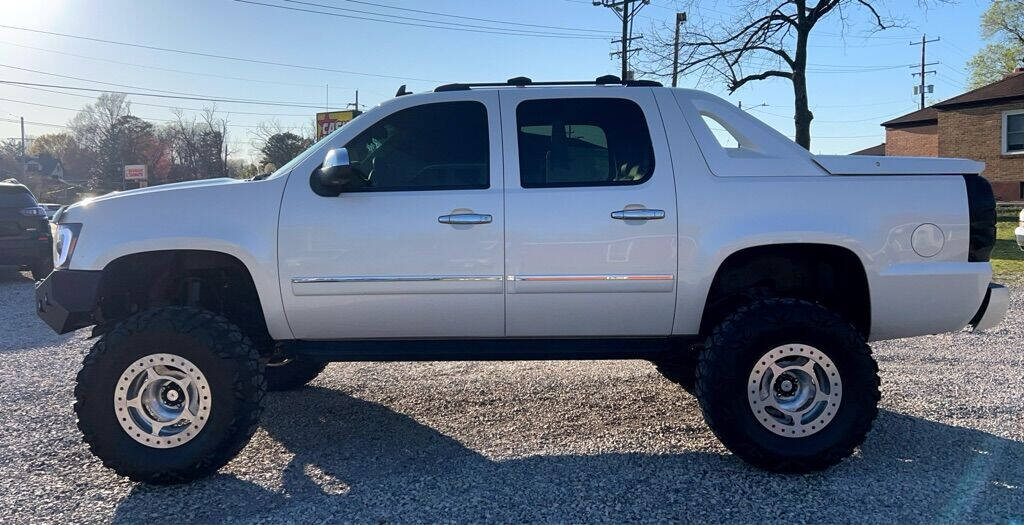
[[64, 244]]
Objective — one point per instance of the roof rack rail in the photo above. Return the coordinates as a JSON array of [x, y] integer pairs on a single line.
[[524, 81]]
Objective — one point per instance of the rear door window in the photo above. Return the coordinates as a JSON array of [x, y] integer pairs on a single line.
[[583, 142]]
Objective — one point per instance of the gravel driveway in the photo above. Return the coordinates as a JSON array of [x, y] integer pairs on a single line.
[[527, 441]]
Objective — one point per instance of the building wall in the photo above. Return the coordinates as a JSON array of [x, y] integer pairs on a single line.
[[976, 133], [912, 141]]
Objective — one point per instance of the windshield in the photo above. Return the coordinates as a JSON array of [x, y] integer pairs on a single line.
[[288, 166]]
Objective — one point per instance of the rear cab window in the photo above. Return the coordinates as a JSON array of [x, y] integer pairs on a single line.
[[16, 197], [569, 142]]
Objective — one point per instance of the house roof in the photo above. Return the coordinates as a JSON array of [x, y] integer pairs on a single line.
[[47, 163], [873, 150], [928, 115], [1009, 88]]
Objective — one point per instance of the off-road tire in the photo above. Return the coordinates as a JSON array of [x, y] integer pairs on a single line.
[[729, 356], [293, 374], [680, 367], [225, 357], [41, 268]]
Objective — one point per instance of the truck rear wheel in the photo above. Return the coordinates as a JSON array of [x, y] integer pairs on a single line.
[[788, 385], [169, 395]]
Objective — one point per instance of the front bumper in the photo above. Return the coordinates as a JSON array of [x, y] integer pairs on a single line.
[[66, 299], [993, 308]]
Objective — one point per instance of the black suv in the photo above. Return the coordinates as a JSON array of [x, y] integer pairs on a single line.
[[25, 238]]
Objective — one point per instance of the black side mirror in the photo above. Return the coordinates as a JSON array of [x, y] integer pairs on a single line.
[[335, 175]]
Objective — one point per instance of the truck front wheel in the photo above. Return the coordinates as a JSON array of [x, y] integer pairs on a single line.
[[169, 395], [788, 385]]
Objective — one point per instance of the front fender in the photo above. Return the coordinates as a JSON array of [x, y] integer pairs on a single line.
[[236, 218]]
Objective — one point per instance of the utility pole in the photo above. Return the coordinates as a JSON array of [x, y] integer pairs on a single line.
[[626, 10], [22, 139], [680, 18], [922, 88]]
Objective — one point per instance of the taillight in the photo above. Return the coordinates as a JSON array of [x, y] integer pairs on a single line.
[[35, 211], [981, 205]]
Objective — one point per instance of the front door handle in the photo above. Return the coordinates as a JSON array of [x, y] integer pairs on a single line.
[[642, 214], [465, 218]]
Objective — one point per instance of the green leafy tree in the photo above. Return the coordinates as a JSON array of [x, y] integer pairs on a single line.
[[280, 148], [1002, 22]]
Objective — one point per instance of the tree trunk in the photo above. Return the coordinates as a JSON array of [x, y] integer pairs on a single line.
[[802, 116]]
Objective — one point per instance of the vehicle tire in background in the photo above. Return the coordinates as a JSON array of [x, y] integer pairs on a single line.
[[788, 385], [42, 268], [169, 395], [291, 373]]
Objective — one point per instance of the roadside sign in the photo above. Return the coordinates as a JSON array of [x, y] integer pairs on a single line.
[[332, 120], [135, 172]]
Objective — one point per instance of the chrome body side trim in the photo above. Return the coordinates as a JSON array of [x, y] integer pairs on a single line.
[[395, 279], [574, 278], [370, 285], [597, 283]]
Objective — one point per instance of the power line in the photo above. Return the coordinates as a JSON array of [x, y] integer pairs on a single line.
[[407, 9], [212, 55], [34, 123], [511, 32], [136, 103], [160, 95], [523, 32], [69, 77], [143, 118], [211, 75], [880, 117]]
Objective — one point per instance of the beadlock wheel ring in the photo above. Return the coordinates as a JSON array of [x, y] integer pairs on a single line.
[[794, 390], [162, 400]]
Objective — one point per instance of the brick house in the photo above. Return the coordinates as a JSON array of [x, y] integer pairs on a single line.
[[985, 124]]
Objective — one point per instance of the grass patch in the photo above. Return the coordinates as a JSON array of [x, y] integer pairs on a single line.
[[1007, 257]]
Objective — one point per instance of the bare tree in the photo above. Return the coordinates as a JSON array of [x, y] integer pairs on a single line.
[[768, 40], [217, 127], [96, 129]]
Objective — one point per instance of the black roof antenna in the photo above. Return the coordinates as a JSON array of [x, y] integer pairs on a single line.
[[402, 91]]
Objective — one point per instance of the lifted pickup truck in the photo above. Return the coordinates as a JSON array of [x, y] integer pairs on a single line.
[[522, 220]]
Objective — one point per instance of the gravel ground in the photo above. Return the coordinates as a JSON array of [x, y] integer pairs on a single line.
[[528, 441]]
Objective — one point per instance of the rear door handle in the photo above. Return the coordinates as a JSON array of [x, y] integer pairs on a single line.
[[465, 218], [642, 214]]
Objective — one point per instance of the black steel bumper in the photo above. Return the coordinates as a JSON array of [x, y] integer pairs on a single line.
[[66, 299]]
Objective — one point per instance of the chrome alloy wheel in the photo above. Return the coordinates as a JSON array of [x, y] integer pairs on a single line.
[[794, 390], [162, 400]]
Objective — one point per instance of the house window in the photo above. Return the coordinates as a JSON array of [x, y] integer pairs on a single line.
[[1013, 132]]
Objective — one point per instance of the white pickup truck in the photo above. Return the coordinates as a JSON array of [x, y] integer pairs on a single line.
[[522, 220]]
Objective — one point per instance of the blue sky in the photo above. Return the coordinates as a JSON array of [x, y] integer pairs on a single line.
[[855, 82]]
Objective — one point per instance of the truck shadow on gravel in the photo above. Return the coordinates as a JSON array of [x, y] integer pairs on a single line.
[[359, 461]]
